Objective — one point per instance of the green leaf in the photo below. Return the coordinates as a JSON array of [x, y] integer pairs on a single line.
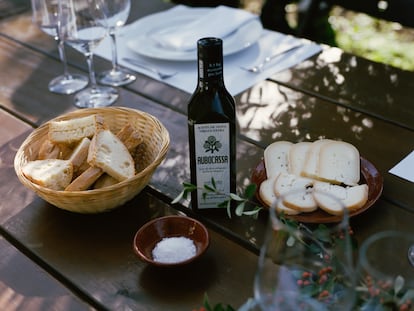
[[189, 186], [398, 284], [235, 197], [223, 204], [209, 188], [179, 197], [240, 209], [322, 233], [213, 182], [250, 191], [252, 212], [218, 307], [228, 207], [290, 241]]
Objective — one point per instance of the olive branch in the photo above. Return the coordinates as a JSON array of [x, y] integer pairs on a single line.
[[244, 204]]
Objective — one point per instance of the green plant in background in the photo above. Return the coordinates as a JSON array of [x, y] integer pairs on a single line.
[[374, 39]]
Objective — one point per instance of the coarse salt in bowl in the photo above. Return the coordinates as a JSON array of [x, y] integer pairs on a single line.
[[171, 241]]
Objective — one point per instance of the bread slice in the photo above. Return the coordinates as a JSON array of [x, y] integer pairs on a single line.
[[51, 150], [339, 162], [276, 158], [73, 130], [130, 136], [54, 174], [333, 199], [107, 152], [80, 154], [105, 181], [48, 150], [310, 168], [85, 180], [295, 192], [297, 156]]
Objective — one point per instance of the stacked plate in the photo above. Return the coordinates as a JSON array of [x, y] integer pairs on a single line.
[[147, 30]]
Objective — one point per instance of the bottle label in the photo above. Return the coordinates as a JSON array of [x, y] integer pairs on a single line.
[[212, 157]]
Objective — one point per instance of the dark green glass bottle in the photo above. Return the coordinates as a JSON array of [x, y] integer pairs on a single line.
[[211, 128]]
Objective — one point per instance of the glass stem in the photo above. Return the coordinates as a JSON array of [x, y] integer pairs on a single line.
[[114, 50], [89, 61], [62, 55]]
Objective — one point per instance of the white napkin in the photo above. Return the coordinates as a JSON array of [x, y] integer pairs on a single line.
[[405, 168], [236, 79], [219, 22]]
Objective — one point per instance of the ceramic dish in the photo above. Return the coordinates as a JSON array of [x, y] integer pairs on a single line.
[[150, 234], [142, 43], [369, 175]]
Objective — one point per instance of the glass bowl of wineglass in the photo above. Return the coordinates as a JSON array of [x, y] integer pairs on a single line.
[[84, 26], [305, 267], [45, 14], [385, 271], [117, 12]]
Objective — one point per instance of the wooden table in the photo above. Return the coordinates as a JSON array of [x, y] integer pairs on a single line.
[[53, 259]]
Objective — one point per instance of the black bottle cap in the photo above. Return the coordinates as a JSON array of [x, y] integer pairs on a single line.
[[210, 47]]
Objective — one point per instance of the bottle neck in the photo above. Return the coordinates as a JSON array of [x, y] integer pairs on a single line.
[[210, 73], [210, 63]]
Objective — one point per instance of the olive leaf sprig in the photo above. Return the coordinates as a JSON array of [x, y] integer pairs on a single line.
[[244, 203], [207, 306]]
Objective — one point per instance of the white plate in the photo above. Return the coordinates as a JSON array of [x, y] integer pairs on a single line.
[[142, 43]]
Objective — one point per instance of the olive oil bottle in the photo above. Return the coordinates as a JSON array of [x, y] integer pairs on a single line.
[[211, 128]]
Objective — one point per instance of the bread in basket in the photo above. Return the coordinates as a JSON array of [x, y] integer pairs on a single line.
[[152, 151]]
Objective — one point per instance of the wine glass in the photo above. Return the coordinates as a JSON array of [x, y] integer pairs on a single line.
[[117, 12], [305, 268], [83, 24], [385, 272], [45, 15]]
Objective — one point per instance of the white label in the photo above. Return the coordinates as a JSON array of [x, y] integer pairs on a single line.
[[212, 152]]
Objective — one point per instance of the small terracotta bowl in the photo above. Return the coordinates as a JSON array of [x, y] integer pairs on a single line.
[[155, 230]]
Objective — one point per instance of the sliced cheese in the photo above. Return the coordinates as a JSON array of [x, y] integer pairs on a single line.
[[268, 196], [297, 156], [310, 168], [333, 199], [339, 162], [276, 158], [295, 192]]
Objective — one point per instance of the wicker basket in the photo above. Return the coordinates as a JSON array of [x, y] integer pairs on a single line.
[[152, 151]]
